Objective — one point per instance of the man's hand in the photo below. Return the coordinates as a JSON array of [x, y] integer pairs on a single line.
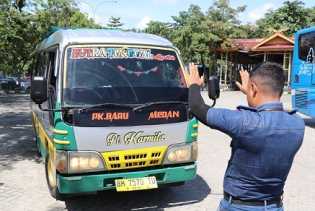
[[194, 77], [245, 81]]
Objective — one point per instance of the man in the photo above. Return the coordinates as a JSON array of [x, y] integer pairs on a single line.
[[265, 138]]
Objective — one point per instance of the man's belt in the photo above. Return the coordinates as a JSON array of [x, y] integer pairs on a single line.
[[234, 200]]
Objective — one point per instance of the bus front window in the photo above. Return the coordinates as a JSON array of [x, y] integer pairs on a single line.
[[96, 75]]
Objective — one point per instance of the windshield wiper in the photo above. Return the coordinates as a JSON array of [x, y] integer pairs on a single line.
[[146, 105], [106, 105]]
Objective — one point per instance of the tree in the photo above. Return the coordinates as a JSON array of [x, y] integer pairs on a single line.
[[19, 4], [198, 34], [17, 37], [160, 28], [114, 23], [310, 16], [223, 22], [289, 18], [21, 30], [191, 34]]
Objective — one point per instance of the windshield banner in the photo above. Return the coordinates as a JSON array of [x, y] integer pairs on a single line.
[[122, 117], [118, 53]]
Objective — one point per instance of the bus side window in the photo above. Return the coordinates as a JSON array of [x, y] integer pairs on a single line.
[[52, 81], [307, 47], [40, 68]]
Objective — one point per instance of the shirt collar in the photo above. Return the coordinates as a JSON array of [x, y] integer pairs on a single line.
[[266, 106], [270, 106]]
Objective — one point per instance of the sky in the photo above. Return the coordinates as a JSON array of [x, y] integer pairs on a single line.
[[137, 13]]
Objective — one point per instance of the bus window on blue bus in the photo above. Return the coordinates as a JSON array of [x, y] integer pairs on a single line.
[[307, 47]]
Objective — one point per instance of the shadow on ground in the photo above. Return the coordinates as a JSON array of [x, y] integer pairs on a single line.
[[190, 193], [16, 133]]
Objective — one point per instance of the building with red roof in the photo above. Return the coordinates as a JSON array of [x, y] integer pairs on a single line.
[[250, 52]]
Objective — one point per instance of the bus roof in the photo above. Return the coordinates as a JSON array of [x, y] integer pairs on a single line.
[[306, 30], [64, 37]]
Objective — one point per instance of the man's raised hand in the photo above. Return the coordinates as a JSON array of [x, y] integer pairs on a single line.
[[244, 85], [194, 77]]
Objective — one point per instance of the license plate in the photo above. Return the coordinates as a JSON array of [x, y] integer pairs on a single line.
[[134, 184]]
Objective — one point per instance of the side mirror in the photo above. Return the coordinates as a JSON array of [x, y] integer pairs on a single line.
[[39, 90], [213, 87], [201, 70]]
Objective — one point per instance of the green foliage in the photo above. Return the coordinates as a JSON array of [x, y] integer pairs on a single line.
[[21, 30], [16, 38], [289, 18], [19, 4], [190, 33], [223, 22], [311, 16], [197, 33], [160, 28]]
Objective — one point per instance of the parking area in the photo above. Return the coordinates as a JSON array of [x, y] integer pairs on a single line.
[[23, 185]]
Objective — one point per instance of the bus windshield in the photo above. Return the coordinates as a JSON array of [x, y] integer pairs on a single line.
[[125, 75]]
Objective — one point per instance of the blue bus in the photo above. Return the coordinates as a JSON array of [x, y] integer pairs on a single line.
[[303, 72]]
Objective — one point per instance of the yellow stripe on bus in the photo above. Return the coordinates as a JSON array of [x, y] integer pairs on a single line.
[[59, 132], [63, 142]]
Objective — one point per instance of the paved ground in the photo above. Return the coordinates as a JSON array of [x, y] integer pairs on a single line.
[[23, 185]]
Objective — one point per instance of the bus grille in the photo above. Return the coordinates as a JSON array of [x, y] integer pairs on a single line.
[[301, 99], [134, 158]]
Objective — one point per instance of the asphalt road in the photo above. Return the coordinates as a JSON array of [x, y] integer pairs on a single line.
[[23, 185]]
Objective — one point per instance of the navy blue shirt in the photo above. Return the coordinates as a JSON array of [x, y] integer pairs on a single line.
[[264, 142]]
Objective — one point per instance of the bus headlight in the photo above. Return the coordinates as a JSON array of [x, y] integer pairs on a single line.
[[181, 153], [79, 162], [85, 162]]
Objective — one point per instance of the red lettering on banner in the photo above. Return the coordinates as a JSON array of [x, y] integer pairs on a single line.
[[109, 116], [164, 115]]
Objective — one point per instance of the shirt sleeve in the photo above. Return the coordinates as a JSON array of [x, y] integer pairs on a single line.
[[227, 121], [197, 105]]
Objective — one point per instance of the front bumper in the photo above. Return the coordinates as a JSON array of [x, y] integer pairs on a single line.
[[106, 181]]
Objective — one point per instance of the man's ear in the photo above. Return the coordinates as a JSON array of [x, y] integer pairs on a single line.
[[254, 89]]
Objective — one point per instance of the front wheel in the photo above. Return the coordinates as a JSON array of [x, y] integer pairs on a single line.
[[51, 179]]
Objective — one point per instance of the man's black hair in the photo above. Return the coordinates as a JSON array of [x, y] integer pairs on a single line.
[[270, 75]]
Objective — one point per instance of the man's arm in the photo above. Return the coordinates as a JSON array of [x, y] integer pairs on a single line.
[[227, 121], [197, 104]]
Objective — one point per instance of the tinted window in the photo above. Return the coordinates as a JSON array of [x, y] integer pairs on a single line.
[[41, 64], [307, 47], [122, 75]]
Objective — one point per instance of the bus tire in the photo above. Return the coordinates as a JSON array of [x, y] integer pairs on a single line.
[[51, 180]]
